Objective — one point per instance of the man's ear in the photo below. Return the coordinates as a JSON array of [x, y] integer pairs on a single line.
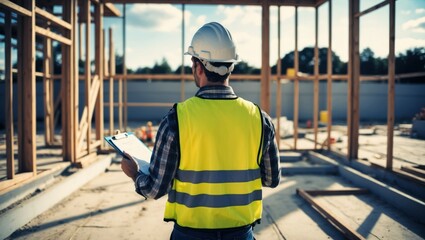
[[199, 68]]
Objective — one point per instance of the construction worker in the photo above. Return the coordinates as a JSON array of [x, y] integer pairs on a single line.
[[213, 152]]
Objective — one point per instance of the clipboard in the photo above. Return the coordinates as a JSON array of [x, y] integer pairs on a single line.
[[129, 143]]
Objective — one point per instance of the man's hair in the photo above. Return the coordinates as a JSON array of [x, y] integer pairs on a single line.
[[212, 76]]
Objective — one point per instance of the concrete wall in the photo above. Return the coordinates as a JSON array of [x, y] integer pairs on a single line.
[[410, 98]]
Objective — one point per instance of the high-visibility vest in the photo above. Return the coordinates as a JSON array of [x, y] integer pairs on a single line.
[[218, 181]]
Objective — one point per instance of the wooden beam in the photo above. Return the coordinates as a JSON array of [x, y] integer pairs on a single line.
[[373, 8], [338, 192], [68, 94], [26, 88], [52, 35], [10, 148], [296, 82], [301, 3], [89, 97], [99, 47], [316, 77], [329, 71], [391, 87], [353, 81], [16, 8], [265, 57], [278, 83], [48, 91], [52, 18], [111, 81], [327, 213], [111, 10], [182, 79], [124, 65]]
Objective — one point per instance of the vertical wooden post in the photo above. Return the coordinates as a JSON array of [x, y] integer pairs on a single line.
[[316, 77], [88, 74], [68, 72], [48, 98], [353, 81], [182, 84], [75, 78], [26, 88], [124, 66], [391, 87], [265, 57], [278, 83], [99, 71], [111, 82], [10, 151], [329, 87], [296, 82]]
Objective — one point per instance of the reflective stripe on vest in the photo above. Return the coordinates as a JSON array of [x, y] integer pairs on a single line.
[[218, 182]]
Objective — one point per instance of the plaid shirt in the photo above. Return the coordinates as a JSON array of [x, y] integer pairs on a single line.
[[166, 152]]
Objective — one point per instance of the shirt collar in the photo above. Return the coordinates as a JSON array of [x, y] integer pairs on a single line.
[[216, 91]]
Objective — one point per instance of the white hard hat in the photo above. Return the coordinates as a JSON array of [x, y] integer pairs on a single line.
[[213, 43]]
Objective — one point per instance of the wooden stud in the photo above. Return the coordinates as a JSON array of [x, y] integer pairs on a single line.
[[99, 47], [68, 140], [182, 80], [265, 57], [316, 77], [296, 82], [353, 81], [278, 83], [124, 65], [391, 87], [10, 148], [111, 82], [26, 78], [47, 80], [76, 56], [329, 85], [88, 75]]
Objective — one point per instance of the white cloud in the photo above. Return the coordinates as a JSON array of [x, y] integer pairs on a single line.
[[156, 17], [402, 44], [416, 25], [420, 10], [245, 15], [406, 12]]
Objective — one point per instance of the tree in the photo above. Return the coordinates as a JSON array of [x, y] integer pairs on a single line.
[[162, 67]]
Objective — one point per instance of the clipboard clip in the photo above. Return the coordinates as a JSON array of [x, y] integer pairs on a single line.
[[120, 136]]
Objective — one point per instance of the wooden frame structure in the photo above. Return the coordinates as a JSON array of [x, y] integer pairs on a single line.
[[81, 140], [37, 21]]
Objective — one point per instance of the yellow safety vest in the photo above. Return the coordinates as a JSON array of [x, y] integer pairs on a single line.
[[218, 181]]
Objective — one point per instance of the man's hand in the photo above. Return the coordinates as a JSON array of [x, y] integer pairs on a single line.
[[129, 166]]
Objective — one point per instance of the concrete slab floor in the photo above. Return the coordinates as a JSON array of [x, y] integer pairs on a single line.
[[108, 208]]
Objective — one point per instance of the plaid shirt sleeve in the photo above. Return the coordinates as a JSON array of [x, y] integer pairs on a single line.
[[269, 165], [164, 160]]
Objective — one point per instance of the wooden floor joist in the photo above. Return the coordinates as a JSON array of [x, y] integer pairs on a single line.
[[327, 213]]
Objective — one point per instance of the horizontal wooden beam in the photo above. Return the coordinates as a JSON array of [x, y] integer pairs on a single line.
[[53, 35], [335, 192], [299, 3], [111, 11], [16, 8], [371, 9], [46, 15]]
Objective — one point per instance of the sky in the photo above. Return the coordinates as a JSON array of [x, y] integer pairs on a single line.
[[154, 31]]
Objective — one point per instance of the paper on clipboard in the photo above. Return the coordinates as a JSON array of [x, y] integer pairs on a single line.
[[129, 143]]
